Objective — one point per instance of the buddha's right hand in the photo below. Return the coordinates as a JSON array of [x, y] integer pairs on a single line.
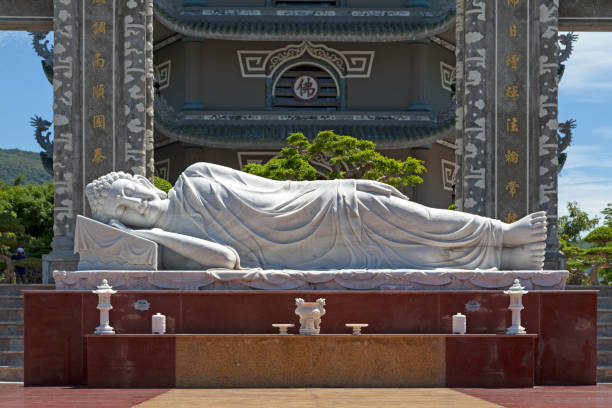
[[119, 225]]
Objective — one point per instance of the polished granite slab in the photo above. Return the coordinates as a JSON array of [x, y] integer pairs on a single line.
[[329, 360]]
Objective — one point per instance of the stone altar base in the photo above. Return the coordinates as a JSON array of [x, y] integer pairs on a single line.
[[381, 279], [328, 360], [57, 350]]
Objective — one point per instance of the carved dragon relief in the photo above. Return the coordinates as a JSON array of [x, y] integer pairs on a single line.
[[565, 140], [43, 137], [348, 64], [40, 43], [566, 47]]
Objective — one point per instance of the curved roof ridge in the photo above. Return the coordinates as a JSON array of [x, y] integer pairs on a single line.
[[271, 24]]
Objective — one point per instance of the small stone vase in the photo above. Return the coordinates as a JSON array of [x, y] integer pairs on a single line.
[[310, 315]]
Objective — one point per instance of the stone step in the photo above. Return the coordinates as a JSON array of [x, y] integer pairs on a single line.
[[15, 290], [604, 343], [14, 328], [604, 290], [604, 374], [604, 315], [11, 373], [11, 301], [604, 329], [604, 358], [11, 358], [604, 302], [10, 314], [10, 384], [11, 343]]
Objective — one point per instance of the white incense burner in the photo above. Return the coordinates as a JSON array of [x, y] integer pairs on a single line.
[[310, 315], [516, 293], [104, 293]]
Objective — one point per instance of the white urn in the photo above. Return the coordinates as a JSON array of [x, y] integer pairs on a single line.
[[310, 315]]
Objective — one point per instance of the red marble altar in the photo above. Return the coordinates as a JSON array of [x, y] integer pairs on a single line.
[[56, 323]]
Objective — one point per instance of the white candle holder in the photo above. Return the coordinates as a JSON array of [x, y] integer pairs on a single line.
[[516, 293], [282, 327], [104, 293], [158, 323], [356, 327], [459, 324]]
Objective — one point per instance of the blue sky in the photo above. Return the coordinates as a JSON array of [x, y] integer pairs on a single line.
[[24, 91], [585, 95]]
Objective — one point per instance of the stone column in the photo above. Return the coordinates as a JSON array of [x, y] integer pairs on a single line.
[[192, 102], [420, 66], [150, 82], [546, 148], [101, 104], [507, 111]]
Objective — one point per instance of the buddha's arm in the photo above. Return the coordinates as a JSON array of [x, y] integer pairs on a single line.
[[206, 253]]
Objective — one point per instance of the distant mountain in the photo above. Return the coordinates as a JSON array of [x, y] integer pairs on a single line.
[[14, 162]]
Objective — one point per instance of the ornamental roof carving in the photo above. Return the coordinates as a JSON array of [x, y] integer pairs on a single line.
[[283, 24], [348, 64]]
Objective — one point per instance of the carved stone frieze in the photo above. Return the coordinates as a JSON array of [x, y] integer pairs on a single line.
[[348, 64]]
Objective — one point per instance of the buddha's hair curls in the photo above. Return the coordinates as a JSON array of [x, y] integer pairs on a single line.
[[97, 191]]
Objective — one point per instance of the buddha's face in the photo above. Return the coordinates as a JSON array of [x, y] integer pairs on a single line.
[[134, 204]]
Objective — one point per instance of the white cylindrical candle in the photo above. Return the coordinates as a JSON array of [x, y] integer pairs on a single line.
[[158, 323], [459, 324]]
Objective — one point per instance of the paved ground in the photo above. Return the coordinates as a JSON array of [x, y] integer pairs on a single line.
[[538, 397]]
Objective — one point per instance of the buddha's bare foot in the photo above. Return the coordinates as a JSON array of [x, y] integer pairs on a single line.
[[524, 257], [529, 229]]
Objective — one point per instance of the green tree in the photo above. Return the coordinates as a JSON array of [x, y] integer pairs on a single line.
[[26, 220], [607, 213], [599, 256], [163, 185], [331, 156], [575, 223], [576, 264]]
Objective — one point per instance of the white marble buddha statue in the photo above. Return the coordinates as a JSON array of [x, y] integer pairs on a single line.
[[219, 217]]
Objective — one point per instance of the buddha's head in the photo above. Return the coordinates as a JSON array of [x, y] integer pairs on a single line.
[[133, 200]]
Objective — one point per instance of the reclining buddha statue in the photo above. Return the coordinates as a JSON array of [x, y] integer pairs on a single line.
[[217, 217]]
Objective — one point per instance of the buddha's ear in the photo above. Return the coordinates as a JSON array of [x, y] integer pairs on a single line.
[[145, 182]]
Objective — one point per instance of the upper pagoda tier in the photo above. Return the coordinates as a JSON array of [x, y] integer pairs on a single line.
[[342, 20]]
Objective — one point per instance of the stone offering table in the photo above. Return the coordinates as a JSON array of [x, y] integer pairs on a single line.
[[57, 323], [332, 360]]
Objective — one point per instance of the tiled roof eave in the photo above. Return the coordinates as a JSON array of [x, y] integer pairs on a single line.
[[220, 135], [381, 31]]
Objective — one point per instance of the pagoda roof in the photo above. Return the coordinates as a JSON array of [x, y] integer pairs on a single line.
[[290, 24], [268, 130]]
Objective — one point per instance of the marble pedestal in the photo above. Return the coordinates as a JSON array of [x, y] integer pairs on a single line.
[[254, 279]]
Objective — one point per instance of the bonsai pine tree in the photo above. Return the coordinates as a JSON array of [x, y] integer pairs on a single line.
[[599, 256], [331, 156], [571, 226]]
